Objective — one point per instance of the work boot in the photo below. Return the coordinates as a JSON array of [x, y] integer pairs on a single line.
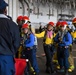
[[58, 67], [66, 72], [53, 72], [55, 61], [60, 70], [47, 70], [71, 68]]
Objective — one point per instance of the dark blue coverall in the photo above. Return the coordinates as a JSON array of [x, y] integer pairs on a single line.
[[30, 52], [9, 43], [63, 49]]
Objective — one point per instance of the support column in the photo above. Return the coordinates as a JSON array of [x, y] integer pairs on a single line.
[[10, 8], [14, 9]]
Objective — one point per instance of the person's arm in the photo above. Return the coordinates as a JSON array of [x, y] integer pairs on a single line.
[[31, 43], [73, 34], [56, 39], [16, 37], [40, 35], [69, 40], [54, 35]]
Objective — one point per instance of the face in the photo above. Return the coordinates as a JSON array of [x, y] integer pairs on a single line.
[[62, 28], [5, 11], [58, 28], [25, 30], [49, 27], [20, 22]]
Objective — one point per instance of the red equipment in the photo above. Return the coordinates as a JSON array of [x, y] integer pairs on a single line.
[[20, 65]]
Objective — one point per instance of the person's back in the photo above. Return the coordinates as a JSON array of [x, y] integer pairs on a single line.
[[8, 33], [9, 41]]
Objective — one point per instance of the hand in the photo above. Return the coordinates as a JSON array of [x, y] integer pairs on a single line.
[[60, 39], [28, 48], [66, 46], [22, 42]]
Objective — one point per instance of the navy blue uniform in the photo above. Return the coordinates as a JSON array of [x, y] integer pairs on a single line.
[[63, 49], [30, 52], [9, 43]]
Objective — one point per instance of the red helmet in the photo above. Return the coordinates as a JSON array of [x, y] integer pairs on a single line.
[[25, 26], [64, 23], [25, 18], [74, 20], [58, 23], [19, 18], [51, 23]]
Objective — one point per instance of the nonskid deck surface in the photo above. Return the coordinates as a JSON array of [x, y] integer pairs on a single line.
[[41, 59]]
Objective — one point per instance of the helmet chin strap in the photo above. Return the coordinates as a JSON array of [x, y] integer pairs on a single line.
[[65, 27], [26, 21]]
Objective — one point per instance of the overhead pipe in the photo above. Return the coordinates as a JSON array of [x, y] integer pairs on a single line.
[[28, 7], [74, 5], [22, 3]]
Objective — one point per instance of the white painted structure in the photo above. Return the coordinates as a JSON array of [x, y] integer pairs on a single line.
[[15, 9]]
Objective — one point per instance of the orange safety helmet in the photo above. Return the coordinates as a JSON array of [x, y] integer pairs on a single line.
[[51, 23], [25, 26], [19, 18], [58, 24], [64, 23], [74, 20], [25, 18]]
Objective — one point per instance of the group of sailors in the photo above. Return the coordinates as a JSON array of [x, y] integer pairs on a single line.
[[57, 43]]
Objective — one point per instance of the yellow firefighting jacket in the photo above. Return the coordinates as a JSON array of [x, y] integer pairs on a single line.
[[73, 34], [48, 40]]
